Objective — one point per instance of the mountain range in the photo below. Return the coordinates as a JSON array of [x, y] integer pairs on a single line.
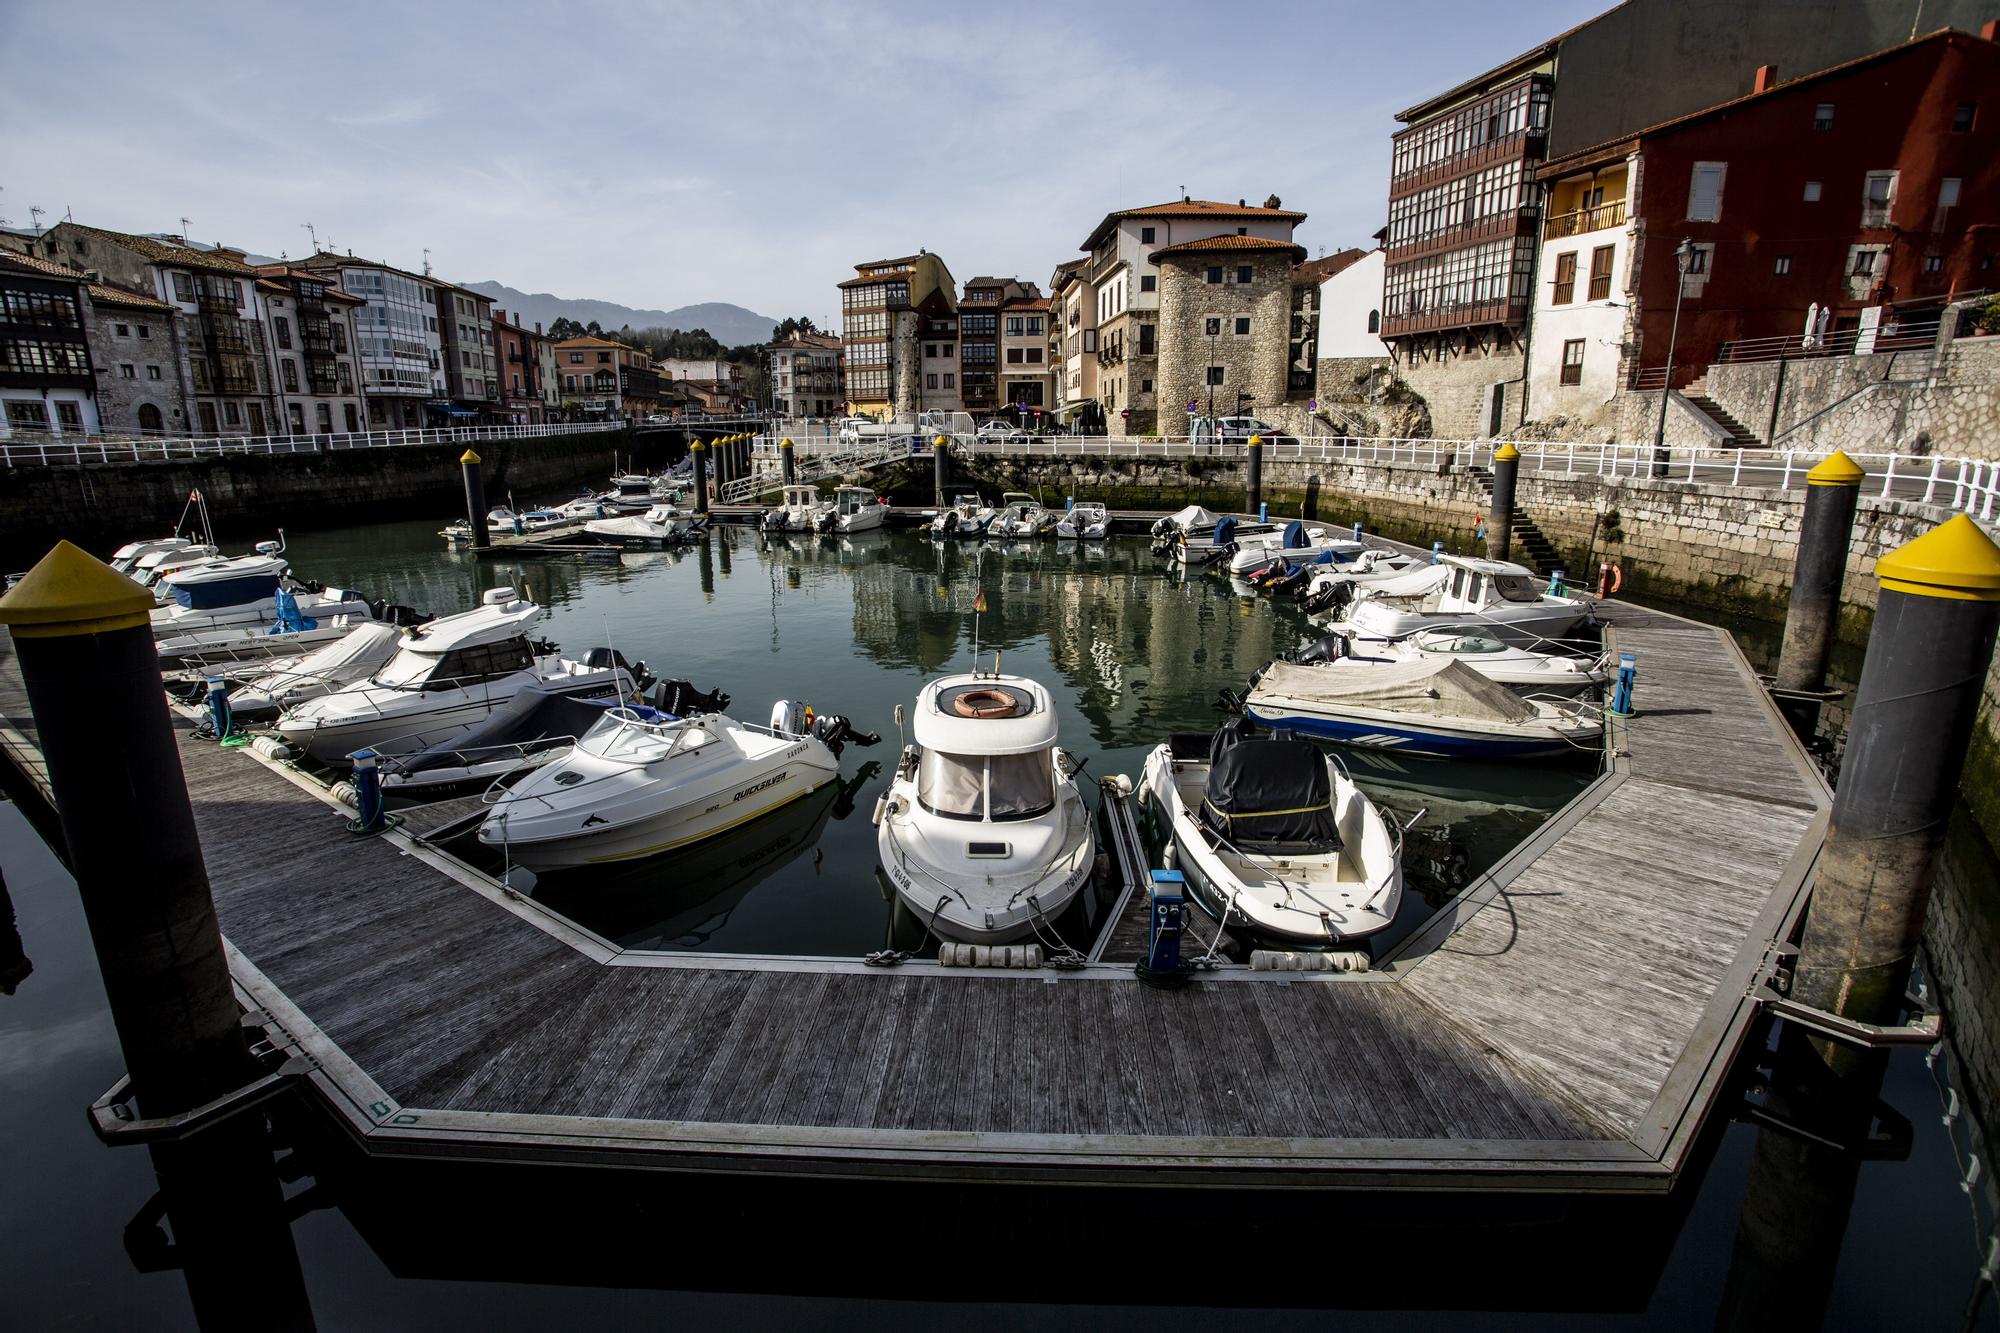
[[731, 325]]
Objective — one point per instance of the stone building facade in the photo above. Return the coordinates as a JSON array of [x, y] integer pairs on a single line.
[[1224, 325], [140, 355]]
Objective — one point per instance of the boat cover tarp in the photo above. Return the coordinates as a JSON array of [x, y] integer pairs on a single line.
[[1271, 796], [1418, 582], [1192, 517], [1429, 688], [528, 717]]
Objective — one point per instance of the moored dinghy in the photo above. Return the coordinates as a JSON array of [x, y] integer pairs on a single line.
[[1273, 837], [1435, 707], [983, 832]]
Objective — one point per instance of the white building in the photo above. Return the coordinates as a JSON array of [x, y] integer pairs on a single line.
[[396, 335], [1350, 306], [1581, 312]]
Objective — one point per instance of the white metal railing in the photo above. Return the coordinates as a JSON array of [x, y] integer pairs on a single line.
[[1968, 485], [812, 465], [58, 449]]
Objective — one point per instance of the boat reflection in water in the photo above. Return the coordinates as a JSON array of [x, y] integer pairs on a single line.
[[685, 900]]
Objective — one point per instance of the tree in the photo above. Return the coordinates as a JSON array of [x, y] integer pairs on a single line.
[[565, 327], [792, 324]]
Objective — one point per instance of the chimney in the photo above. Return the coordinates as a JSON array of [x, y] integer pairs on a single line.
[[1767, 78], [538, 326]]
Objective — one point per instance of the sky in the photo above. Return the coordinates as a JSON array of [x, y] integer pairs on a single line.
[[661, 154]]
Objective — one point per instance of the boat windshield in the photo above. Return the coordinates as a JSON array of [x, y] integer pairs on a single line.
[[1515, 588], [457, 668], [996, 787]]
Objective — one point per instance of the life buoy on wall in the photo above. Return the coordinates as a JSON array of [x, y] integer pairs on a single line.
[[1610, 578], [984, 703]]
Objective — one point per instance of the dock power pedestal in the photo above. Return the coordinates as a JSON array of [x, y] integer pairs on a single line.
[[1164, 922]]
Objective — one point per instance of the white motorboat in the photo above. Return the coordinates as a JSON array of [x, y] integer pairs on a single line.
[[1025, 517], [1496, 594], [966, 516], [1088, 522], [635, 786], [1295, 543], [1197, 546], [213, 604], [583, 509], [983, 832], [1437, 706], [445, 678], [357, 654], [1335, 584], [127, 557], [1524, 670], [662, 524], [854, 509], [1274, 839], [156, 565], [1191, 519], [798, 511]]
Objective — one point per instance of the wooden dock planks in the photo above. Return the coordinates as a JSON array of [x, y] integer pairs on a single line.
[[1543, 1032]]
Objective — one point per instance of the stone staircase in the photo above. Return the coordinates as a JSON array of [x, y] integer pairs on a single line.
[[1740, 435], [1531, 546]]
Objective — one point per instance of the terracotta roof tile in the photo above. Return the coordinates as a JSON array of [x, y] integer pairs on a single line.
[[1186, 208], [168, 252], [40, 265], [1319, 270], [101, 294], [1224, 244]]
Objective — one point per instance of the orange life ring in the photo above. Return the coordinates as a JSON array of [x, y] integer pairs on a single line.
[[983, 703]]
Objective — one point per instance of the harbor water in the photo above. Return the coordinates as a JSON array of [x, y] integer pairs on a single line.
[[1131, 650]]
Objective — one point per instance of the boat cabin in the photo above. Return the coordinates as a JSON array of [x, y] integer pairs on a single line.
[[801, 497], [853, 499], [986, 742], [1475, 585], [1024, 500], [454, 652]]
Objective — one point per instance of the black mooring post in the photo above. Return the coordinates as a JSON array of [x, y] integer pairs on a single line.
[[475, 498], [940, 467], [700, 456], [1253, 484], [1833, 489], [231, 1238], [84, 639], [787, 467], [1914, 714], [1500, 517]]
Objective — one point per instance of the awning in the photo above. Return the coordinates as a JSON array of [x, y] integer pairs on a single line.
[[451, 411]]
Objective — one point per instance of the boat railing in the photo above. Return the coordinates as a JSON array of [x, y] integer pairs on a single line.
[[473, 756]]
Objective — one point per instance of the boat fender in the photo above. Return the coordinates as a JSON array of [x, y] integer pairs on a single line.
[[344, 792], [271, 748], [1296, 960], [881, 810], [1016, 956]]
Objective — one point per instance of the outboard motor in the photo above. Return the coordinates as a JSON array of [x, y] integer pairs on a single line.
[[1331, 648], [834, 730], [682, 699], [789, 717]]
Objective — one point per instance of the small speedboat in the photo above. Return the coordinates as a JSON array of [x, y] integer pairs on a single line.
[[798, 511], [1273, 837], [355, 655], [983, 832], [1023, 516], [635, 786], [1295, 544], [1198, 546], [154, 566], [1500, 596], [661, 525], [1089, 522], [127, 557], [1521, 669], [854, 509], [1193, 518], [1331, 586], [446, 678], [966, 516], [1433, 706], [250, 593]]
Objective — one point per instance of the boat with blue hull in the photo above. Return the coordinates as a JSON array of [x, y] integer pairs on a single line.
[[1440, 708]]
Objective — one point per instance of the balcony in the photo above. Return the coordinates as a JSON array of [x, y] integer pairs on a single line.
[[1518, 223], [1583, 220], [1528, 145], [1470, 314]]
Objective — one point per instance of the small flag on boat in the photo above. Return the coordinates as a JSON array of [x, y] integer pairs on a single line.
[[979, 602]]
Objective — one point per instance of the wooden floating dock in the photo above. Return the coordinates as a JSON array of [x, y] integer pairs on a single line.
[[1566, 1023]]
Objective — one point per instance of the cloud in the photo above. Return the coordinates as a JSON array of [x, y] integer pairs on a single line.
[[399, 111]]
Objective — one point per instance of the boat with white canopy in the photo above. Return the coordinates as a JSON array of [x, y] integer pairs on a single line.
[[1501, 596]]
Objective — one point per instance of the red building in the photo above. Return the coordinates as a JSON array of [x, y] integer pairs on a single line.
[[519, 369], [1871, 189]]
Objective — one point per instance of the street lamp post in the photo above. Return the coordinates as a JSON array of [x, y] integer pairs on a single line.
[[1683, 253]]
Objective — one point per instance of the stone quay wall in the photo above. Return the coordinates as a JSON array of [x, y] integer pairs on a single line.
[[99, 506], [1911, 400]]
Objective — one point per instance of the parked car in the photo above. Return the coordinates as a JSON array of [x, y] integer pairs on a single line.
[[1240, 429], [853, 430], [1000, 432]]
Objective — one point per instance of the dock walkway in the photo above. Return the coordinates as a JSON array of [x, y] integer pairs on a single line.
[[1565, 1023]]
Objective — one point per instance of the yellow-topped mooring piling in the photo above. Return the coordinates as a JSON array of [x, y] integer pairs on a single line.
[[1500, 513], [1253, 475], [940, 466], [787, 466], [1833, 489], [84, 637], [1914, 712], [699, 453], [475, 498]]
